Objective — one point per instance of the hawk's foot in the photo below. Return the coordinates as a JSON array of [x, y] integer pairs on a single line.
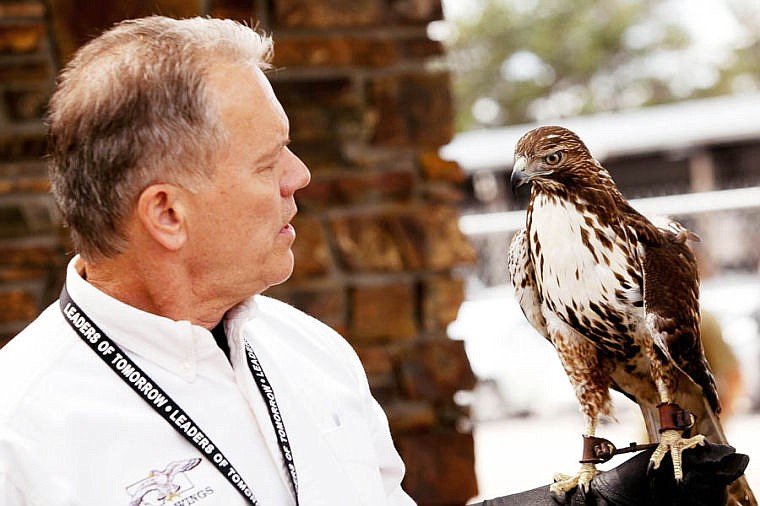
[[671, 441], [564, 483]]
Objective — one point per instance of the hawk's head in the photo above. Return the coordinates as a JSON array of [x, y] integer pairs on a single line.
[[553, 155]]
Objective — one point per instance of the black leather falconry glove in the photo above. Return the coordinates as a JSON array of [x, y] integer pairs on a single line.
[[708, 470]]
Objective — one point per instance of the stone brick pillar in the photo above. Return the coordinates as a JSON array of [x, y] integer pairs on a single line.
[[378, 243], [378, 236], [31, 251]]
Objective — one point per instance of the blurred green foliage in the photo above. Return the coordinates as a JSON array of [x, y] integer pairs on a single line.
[[518, 61]]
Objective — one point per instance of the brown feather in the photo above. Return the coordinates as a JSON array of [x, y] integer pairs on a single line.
[[671, 291]]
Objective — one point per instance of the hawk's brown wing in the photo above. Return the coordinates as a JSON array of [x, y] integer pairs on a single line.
[[671, 302]]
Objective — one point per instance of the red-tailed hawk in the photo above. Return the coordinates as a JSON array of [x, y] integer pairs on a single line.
[[617, 296]]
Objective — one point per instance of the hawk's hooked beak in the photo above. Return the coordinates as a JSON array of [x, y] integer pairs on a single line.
[[519, 177]]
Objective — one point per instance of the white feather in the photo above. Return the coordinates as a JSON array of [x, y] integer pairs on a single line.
[[558, 227]]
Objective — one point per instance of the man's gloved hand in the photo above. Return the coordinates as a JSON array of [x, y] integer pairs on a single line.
[[707, 471]]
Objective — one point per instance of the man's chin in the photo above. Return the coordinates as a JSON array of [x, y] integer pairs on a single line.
[[283, 275]]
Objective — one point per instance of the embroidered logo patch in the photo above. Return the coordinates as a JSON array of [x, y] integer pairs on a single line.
[[169, 486]]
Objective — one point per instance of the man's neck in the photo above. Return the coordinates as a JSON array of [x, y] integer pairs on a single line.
[[164, 290]]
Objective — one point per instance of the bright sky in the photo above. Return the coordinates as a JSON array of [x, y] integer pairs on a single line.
[[710, 21]]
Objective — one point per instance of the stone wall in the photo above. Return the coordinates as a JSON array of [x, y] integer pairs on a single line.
[[31, 245], [378, 243]]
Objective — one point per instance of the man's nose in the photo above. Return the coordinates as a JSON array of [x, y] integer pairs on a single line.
[[296, 176]]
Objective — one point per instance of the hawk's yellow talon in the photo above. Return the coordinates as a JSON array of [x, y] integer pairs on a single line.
[[564, 483], [674, 443]]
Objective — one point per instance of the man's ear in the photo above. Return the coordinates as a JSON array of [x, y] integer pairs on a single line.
[[161, 210]]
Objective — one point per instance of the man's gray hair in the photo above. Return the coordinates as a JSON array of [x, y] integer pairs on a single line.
[[131, 109]]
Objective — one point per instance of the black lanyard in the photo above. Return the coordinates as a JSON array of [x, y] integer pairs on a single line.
[[159, 400]]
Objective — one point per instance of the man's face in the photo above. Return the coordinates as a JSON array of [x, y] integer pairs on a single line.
[[239, 224]]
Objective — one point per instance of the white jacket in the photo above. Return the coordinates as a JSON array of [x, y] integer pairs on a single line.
[[73, 433]]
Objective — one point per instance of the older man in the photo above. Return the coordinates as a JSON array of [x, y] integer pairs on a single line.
[[162, 376]]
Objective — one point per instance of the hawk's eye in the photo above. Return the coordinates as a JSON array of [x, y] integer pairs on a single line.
[[554, 158]]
